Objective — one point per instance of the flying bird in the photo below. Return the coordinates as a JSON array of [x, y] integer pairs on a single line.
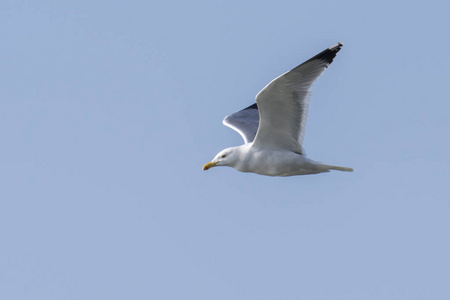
[[273, 127]]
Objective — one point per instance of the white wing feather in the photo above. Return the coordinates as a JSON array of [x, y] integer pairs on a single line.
[[283, 103]]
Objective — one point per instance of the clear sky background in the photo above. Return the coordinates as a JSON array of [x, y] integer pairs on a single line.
[[109, 109]]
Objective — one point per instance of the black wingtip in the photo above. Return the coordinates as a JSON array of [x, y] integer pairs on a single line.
[[329, 54], [326, 55], [253, 106], [336, 47]]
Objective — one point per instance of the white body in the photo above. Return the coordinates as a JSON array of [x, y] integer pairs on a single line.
[[260, 161]]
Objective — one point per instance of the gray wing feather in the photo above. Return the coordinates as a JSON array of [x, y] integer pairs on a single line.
[[245, 122]]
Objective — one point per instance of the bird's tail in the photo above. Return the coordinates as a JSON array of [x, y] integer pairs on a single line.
[[345, 169]]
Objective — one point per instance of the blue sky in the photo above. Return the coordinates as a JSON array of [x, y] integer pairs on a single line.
[[109, 109]]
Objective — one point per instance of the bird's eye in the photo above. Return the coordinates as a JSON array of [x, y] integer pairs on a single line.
[[223, 156]]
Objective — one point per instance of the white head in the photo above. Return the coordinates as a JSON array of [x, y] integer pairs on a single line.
[[228, 157]]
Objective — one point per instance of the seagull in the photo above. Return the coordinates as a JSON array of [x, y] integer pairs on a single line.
[[273, 128]]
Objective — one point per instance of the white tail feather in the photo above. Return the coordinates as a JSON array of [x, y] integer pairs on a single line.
[[345, 169]]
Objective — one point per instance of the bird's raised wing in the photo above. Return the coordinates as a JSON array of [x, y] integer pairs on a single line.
[[283, 103], [245, 122]]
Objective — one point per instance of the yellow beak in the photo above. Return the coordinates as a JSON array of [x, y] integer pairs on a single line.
[[209, 165]]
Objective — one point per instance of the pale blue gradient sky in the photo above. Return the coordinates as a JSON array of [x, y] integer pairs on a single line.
[[109, 109]]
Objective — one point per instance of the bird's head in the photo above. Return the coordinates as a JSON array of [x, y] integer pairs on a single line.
[[225, 157]]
